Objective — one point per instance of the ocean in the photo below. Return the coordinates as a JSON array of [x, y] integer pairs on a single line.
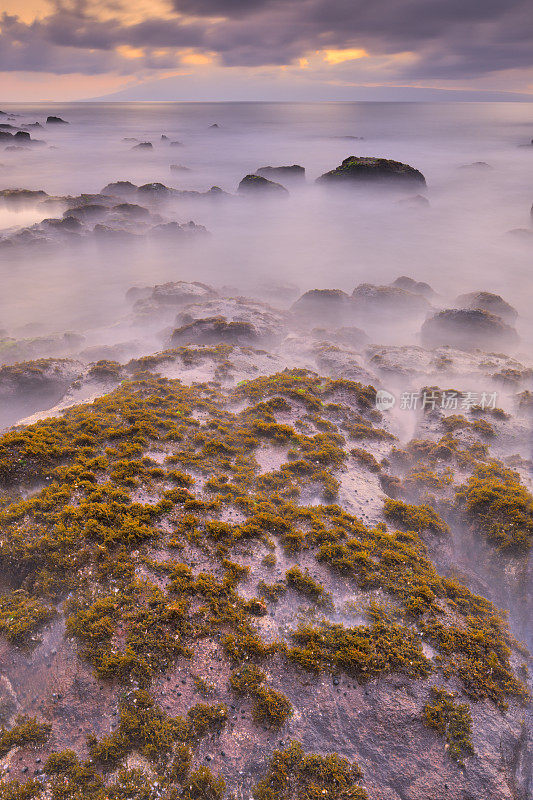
[[458, 242]]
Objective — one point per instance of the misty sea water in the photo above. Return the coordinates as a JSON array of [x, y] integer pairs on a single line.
[[314, 238]]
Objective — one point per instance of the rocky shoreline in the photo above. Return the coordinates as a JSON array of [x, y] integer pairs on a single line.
[[261, 541]]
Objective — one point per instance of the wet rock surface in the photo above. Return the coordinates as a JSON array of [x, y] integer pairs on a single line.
[[257, 184], [214, 540], [363, 169], [294, 172], [487, 301], [369, 300], [468, 328]]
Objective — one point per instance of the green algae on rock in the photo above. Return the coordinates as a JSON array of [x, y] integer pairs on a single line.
[[361, 169]]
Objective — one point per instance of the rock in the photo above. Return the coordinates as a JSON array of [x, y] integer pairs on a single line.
[[293, 172], [120, 188], [348, 335], [33, 385], [410, 285], [280, 294], [154, 189], [110, 352], [373, 301], [487, 301], [22, 136], [56, 121], [138, 293], [414, 201], [164, 138], [143, 146], [478, 166], [433, 364], [523, 234], [252, 184], [19, 380], [176, 144], [132, 211], [268, 324], [15, 350], [335, 361], [151, 302], [361, 169], [214, 330], [22, 196], [214, 126], [173, 229], [322, 305], [180, 293], [68, 223], [5, 136], [113, 232], [86, 213], [467, 329]]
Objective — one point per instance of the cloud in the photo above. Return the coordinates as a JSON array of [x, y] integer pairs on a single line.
[[447, 39]]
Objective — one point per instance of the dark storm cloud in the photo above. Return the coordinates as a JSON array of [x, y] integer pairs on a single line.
[[451, 38]]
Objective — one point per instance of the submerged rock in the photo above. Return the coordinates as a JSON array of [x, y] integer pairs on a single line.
[[414, 201], [14, 350], [410, 285], [88, 212], [478, 166], [31, 385], [488, 302], [348, 335], [22, 196], [154, 189], [322, 305], [143, 146], [372, 300], [69, 224], [150, 302], [181, 292], [268, 324], [120, 188], [466, 329], [172, 229], [360, 169], [214, 330], [131, 211], [252, 184], [293, 172]]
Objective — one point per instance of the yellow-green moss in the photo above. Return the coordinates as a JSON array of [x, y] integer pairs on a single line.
[[452, 720], [294, 775], [25, 731], [499, 505], [414, 518]]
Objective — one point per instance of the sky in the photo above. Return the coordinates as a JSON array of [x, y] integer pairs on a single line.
[[64, 50]]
